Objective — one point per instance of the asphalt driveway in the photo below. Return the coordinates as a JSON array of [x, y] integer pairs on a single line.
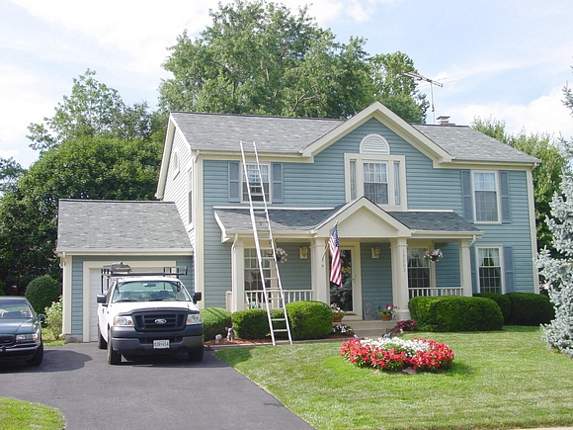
[[160, 394]]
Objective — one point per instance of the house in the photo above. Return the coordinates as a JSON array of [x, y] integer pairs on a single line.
[[395, 190]]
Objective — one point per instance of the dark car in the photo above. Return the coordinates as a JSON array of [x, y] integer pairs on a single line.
[[20, 332]]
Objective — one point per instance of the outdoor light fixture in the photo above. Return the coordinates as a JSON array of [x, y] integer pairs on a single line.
[[375, 253], [303, 253]]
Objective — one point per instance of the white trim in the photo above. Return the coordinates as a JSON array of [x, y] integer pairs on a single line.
[[127, 251], [501, 264], [430, 210], [389, 159], [466, 267], [380, 112], [497, 196], [277, 208], [199, 229], [438, 234], [354, 247], [166, 157], [67, 294], [489, 165], [86, 296], [282, 157], [190, 184], [532, 229]]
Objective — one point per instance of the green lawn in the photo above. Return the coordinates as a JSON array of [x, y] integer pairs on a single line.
[[19, 415], [500, 379]]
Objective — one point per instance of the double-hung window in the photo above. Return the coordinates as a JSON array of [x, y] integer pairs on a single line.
[[255, 183], [253, 281], [418, 269], [486, 196], [490, 270], [376, 181], [380, 178]]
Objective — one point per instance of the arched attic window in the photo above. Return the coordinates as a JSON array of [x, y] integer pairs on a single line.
[[374, 144]]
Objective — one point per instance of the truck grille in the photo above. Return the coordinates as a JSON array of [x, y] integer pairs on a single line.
[[158, 321], [7, 340]]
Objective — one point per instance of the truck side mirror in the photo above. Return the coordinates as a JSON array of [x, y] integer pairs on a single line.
[[101, 298], [197, 297]]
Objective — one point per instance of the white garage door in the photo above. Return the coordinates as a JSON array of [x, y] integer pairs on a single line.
[[95, 288]]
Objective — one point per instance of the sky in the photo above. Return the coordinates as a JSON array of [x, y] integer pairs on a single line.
[[507, 59]]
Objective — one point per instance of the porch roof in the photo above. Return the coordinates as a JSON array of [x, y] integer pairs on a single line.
[[305, 220]]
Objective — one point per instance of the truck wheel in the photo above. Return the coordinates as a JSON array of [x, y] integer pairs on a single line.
[[113, 357], [196, 354], [38, 356], [102, 344]]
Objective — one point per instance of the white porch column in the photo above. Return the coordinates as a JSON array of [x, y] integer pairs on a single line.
[[66, 265], [238, 275], [465, 267], [399, 255], [318, 261]]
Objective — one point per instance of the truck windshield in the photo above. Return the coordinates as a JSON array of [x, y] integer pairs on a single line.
[[15, 311], [150, 291]]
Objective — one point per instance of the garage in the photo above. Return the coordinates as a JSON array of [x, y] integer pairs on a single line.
[[147, 235]]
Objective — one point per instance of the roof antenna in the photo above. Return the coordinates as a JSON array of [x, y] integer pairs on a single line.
[[416, 76]]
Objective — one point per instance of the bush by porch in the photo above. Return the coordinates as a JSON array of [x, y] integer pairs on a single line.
[[501, 379]]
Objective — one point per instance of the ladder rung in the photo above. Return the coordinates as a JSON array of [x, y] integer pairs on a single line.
[[280, 330], [278, 319]]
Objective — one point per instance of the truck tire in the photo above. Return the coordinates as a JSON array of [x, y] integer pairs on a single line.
[[196, 354], [102, 344], [113, 357]]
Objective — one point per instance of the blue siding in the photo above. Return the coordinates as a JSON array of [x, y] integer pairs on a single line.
[[78, 274], [322, 184], [295, 273], [448, 268], [376, 279]]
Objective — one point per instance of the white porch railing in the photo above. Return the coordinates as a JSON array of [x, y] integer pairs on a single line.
[[256, 299], [435, 292]]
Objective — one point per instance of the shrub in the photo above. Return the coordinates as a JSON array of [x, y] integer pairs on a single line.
[[250, 324], [449, 313], [395, 354], [42, 292], [530, 309], [309, 320], [2, 288], [54, 316], [504, 303], [215, 321]]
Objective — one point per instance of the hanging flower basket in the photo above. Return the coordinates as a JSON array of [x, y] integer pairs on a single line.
[[434, 255], [281, 255]]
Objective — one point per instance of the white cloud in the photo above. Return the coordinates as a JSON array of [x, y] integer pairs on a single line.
[[545, 114], [24, 98]]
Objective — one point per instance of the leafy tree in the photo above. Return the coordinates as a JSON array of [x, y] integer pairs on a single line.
[[92, 109], [10, 171], [546, 176], [396, 92], [259, 57], [86, 168]]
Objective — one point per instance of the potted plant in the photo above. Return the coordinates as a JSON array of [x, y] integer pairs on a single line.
[[337, 313], [281, 255], [387, 312]]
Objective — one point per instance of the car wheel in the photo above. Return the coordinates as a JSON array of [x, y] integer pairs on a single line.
[[38, 356], [102, 344], [113, 357], [196, 354]]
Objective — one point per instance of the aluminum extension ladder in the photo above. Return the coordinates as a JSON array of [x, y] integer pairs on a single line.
[[264, 243]]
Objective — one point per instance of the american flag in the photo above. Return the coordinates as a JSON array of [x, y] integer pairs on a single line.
[[336, 264]]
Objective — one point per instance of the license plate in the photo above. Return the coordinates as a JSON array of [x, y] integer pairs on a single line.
[[161, 344]]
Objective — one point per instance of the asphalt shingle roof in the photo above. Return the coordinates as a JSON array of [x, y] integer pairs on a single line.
[[222, 132], [109, 224], [235, 220]]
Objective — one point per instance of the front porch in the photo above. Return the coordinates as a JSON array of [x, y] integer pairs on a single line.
[[382, 255]]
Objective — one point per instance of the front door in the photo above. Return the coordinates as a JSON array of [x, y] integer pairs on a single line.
[[347, 295]]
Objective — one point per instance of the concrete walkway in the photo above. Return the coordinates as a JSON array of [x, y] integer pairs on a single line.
[[161, 394]]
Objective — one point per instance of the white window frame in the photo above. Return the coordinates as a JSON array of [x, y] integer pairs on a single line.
[[425, 246], [501, 265], [498, 197], [271, 269], [242, 177], [176, 164], [389, 159]]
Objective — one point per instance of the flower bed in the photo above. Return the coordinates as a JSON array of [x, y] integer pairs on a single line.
[[395, 354]]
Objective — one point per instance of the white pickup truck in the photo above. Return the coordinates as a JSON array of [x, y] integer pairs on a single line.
[[142, 314]]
